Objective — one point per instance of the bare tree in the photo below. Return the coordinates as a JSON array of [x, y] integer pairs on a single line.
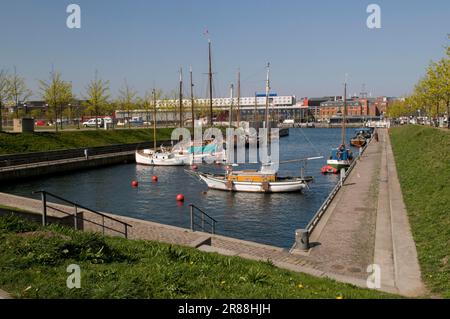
[[127, 99], [4, 93]]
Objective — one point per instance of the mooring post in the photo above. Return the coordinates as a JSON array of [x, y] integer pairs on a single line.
[[342, 176], [75, 218], [192, 216], [302, 239], [44, 208]]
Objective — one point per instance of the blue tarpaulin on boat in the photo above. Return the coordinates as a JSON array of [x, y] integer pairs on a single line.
[[210, 148]]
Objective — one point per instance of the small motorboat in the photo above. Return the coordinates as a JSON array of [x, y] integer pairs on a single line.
[[327, 169], [161, 158], [358, 141]]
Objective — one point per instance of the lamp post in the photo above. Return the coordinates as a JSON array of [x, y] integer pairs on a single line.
[[70, 111]]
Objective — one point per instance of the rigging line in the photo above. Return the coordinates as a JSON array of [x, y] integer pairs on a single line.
[[309, 141]]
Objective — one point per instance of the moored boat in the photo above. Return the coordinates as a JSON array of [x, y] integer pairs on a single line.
[[341, 157], [264, 180]]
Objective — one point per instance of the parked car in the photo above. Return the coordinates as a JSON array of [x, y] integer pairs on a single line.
[[91, 122], [40, 123], [136, 121]]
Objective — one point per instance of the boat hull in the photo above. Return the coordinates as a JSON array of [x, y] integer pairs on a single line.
[[213, 182], [358, 142], [152, 160], [339, 164]]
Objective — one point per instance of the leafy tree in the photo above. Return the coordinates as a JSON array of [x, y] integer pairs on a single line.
[[18, 90], [56, 94], [97, 97]]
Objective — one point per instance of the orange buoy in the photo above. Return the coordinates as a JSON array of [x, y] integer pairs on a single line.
[[134, 184], [154, 178], [180, 198]]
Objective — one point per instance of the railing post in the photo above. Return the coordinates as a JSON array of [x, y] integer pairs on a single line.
[[44, 208], [191, 208], [103, 225], [203, 222], [126, 231], [75, 218], [213, 227]]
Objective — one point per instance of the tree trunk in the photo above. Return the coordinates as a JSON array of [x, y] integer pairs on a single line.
[[448, 114]]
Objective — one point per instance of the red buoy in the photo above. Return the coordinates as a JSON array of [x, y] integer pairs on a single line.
[[134, 184], [194, 167], [154, 178], [180, 198]]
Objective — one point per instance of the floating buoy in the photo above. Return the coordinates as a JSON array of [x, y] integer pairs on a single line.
[[134, 184], [194, 167], [154, 178], [180, 198]]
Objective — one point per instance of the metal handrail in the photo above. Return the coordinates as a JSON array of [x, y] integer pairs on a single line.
[[76, 206], [210, 221]]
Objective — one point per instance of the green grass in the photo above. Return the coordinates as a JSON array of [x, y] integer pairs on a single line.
[[422, 156], [12, 143], [33, 263]]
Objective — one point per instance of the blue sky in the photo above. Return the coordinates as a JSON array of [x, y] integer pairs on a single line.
[[310, 44]]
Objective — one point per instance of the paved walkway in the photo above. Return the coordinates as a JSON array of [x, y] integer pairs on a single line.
[[367, 224]]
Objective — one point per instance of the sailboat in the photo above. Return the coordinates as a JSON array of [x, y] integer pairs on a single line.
[[264, 180], [184, 153], [341, 157]]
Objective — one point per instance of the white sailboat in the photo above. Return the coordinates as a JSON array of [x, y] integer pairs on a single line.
[[264, 180]]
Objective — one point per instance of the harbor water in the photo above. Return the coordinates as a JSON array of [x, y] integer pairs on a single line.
[[265, 218]]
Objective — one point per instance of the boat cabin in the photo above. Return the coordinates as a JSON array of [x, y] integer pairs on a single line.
[[341, 154]]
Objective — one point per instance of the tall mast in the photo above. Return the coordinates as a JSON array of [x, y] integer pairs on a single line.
[[344, 113], [210, 85], [192, 101], [267, 96], [255, 117], [238, 115], [181, 97], [154, 119], [230, 112]]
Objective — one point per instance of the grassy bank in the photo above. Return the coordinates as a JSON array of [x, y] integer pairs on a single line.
[[33, 262], [12, 143], [422, 156]]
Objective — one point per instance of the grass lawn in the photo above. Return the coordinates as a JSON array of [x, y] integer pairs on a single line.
[[422, 156], [33, 262], [12, 143]]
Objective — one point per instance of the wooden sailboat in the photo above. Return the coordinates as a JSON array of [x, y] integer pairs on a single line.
[[264, 180], [341, 157]]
